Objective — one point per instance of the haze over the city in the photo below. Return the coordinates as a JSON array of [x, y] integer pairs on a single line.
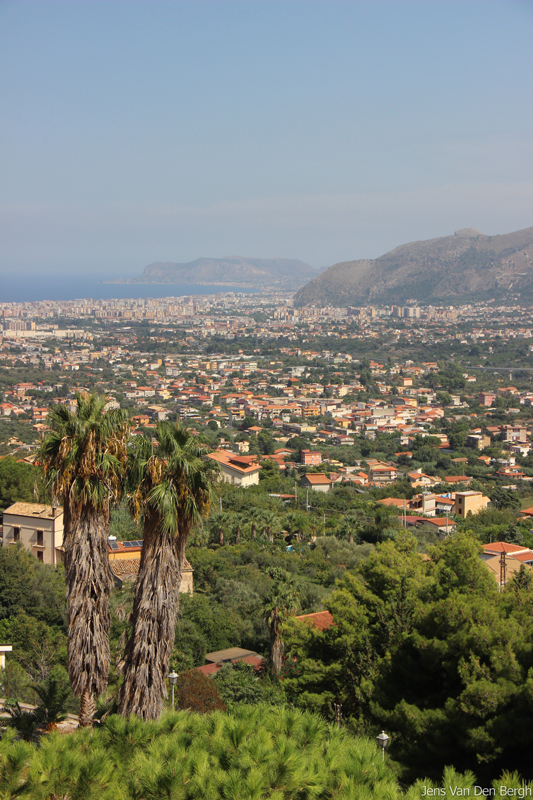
[[135, 132]]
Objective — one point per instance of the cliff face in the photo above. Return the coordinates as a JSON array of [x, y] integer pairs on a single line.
[[454, 269], [232, 270]]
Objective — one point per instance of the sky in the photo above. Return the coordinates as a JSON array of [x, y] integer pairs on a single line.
[[138, 131]]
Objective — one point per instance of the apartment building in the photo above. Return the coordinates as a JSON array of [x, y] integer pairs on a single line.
[[311, 458]]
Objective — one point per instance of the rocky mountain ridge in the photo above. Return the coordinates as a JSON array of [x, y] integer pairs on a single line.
[[453, 269]]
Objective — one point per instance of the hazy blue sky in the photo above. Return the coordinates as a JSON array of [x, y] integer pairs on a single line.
[[134, 132]]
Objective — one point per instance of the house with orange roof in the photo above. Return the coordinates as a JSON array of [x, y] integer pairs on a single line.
[[319, 482], [236, 469], [457, 479], [383, 473], [504, 560], [419, 478]]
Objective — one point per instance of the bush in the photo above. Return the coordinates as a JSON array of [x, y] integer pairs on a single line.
[[238, 683], [196, 692]]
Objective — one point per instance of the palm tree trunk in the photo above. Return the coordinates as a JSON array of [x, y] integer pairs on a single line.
[[89, 582], [155, 610], [276, 648], [253, 530], [221, 536], [87, 709]]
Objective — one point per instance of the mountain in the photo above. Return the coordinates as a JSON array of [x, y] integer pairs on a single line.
[[467, 266], [284, 273]]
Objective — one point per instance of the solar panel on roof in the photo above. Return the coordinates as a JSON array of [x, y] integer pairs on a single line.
[[113, 545], [127, 544]]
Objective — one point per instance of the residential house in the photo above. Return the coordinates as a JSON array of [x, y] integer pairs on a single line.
[[470, 503], [451, 479], [383, 473], [319, 482], [419, 478], [236, 469], [38, 527], [504, 560]]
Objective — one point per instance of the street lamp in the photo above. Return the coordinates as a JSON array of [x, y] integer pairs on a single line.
[[173, 679], [383, 741]]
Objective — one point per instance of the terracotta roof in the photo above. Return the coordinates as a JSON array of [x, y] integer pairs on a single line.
[[33, 510], [318, 479], [393, 501], [505, 547], [239, 463], [322, 620], [125, 567], [525, 557]]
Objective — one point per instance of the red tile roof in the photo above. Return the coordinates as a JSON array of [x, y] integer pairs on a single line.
[[320, 619], [505, 547]]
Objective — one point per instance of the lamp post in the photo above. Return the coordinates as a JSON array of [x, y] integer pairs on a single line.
[[383, 741], [173, 679]]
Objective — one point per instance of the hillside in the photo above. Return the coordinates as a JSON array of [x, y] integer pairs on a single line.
[[453, 269], [231, 270]]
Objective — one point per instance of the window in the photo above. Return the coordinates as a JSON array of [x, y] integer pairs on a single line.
[[40, 538], [16, 534], [40, 555]]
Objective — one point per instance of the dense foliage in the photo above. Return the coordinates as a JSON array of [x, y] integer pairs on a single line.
[[430, 651], [250, 754]]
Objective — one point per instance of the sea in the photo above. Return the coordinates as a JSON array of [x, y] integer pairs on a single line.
[[32, 288]]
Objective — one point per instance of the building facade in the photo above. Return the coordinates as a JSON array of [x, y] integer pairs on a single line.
[[38, 527]]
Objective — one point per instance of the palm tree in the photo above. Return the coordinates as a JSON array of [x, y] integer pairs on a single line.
[[83, 458], [170, 485], [271, 524], [297, 524], [237, 523], [283, 601], [217, 524], [351, 523]]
